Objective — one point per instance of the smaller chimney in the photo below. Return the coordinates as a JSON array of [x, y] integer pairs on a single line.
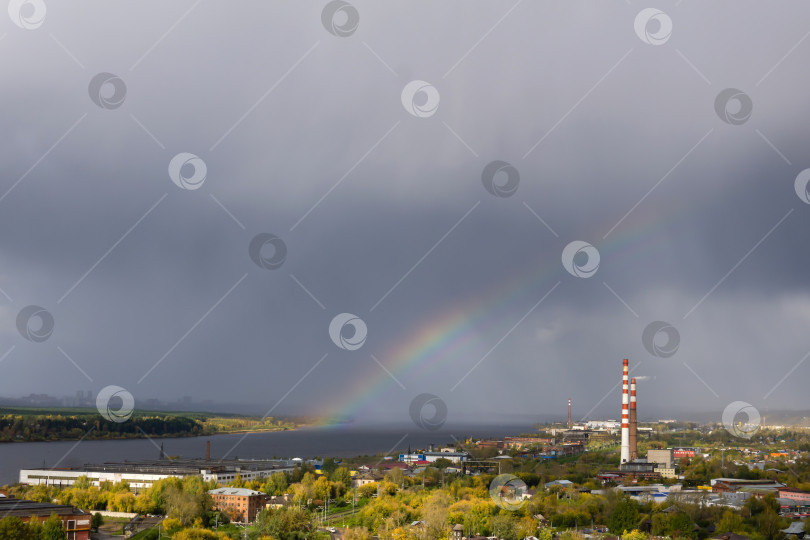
[[207, 450], [569, 413], [633, 421]]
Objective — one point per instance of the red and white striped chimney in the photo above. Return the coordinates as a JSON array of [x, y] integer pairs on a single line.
[[625, 453], [633, 421]]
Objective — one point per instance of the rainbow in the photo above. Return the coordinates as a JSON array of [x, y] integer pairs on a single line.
[[438, 340]]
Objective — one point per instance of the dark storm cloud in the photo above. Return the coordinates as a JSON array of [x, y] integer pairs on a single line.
[[304, 136]]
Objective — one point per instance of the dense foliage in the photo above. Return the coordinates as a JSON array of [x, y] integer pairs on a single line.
[[33, 426], [13, 528]]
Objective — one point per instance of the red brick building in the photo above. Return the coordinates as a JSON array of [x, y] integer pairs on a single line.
[[76, 522], [239, 503], [678, 453], [794, 494]]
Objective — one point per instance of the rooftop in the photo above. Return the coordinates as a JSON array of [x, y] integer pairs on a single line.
[[176, 467], [22, 507], [242, 492]]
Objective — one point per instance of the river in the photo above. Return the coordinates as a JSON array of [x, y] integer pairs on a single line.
[[333, 441]]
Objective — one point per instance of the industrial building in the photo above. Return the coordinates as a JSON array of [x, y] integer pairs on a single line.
[[663, 457], [658, 463], [688, 453], [430, 457], [142, 474], [725, 485], [76, 522], [795, 494]]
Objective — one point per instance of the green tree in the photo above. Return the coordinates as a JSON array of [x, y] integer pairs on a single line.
[[82, 482], [442, 463], [672, 524], [730, 522], [286, 523], [504, 527], [435, 513], [624, 517], [635, 534], [395, 476], [196, 534], [52, 529], [322, 488], [237, 481], [276, 484], [96, 521], [342, 475], [187, 499], [13, 528], [328, 466], [770, 525]]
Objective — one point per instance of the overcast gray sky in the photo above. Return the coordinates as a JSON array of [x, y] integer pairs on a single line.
[[615, 131]]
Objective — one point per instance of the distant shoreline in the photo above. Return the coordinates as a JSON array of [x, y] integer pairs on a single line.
[[163, 436], [58, 425]]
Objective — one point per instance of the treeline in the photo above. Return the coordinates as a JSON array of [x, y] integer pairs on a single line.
[[55, 427], [58, 427]]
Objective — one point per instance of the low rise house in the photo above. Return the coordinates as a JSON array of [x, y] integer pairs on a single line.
[[278, 501], [366, 478], [796, 529]]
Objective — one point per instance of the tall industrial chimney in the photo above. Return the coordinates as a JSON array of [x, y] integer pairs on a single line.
[[207, 450], [569, 413], [625, 454], [633, 421]]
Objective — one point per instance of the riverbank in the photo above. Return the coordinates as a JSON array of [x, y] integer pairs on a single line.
[[53, 425], [305, 442]]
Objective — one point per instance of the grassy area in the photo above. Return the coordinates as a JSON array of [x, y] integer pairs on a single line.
[[146, 534], [113, 525]]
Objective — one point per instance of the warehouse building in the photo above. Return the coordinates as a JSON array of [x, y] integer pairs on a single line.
[[422, 458], [142, 474], [76, 522]]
